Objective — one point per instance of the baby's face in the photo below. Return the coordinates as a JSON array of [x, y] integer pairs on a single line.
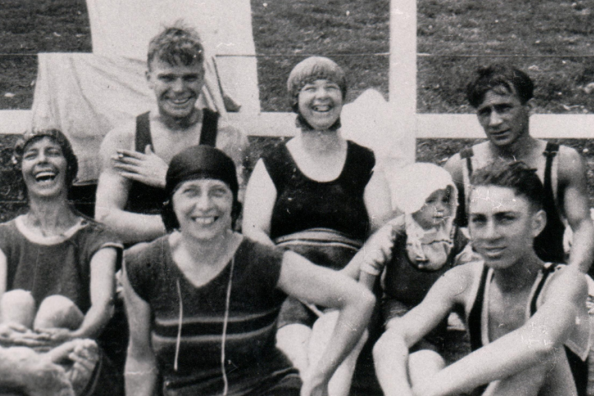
[[436, 210]]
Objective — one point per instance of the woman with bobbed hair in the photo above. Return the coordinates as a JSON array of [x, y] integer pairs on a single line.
[[318, 194], [57, 268], [203, 301]]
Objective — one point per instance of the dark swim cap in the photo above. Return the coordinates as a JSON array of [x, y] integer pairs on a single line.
[[201, 162], [198, 162]]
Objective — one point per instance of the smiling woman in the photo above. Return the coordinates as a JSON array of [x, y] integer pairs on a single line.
[[318, 195], [203, 301], [57, 268]]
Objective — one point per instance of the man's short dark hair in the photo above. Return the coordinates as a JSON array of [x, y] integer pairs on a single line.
[[496, 76], [176, 45], [516, 175]]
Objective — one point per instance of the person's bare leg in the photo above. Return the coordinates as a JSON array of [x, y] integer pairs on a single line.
[[293, 340], [58, 312], [340, 384], [17, 307]]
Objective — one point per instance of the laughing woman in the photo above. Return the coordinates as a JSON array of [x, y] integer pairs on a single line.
[[317, 195], [57, 269], [203, 301]]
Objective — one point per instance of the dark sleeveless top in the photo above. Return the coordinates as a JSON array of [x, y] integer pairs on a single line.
[[303, 203], [579, 369], [549, 244], [147, 199]]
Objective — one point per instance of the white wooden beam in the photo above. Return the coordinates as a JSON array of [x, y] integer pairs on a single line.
[[437, 126]]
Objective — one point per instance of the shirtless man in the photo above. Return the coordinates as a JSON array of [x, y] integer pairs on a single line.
[[135, 156], [527, 319], [502, 96]]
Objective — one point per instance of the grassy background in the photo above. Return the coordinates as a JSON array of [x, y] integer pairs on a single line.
[[550, 39]]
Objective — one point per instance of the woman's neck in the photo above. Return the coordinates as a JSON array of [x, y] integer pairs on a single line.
[[50, 217], [321, 142], [213, 251]]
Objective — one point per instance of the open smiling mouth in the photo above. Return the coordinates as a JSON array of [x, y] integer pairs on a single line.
[[322, 108], [205, 220], [45, 177], [180, 101]]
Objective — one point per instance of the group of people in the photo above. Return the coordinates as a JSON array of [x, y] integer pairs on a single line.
[[327, 285]]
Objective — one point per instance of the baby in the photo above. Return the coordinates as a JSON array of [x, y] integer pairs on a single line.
[[417, 247]]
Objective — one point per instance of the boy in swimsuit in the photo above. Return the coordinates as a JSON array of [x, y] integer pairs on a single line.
[[527, 319]]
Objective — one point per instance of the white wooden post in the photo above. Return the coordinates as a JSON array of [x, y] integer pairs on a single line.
[[403, 67]]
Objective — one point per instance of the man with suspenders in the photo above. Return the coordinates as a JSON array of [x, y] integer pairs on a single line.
[[135, 156], [503, 98]]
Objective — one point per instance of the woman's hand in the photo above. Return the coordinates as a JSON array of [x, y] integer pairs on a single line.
[[57, 336], [14, 334]]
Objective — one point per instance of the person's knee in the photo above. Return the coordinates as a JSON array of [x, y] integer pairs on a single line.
[[18, 306], [58, 312], [293, 341]]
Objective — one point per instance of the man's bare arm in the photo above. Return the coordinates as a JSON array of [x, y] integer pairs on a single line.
[[112, 196], [573, 186], [530, 345]]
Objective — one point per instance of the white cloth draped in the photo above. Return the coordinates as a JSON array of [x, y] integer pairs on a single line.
[[371, 122], [125, 27]]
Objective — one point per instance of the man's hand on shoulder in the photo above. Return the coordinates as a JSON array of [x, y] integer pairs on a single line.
[[147, 168]]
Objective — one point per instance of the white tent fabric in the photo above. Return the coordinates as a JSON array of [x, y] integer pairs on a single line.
[[371, 122], [86, 96], [125, 27]]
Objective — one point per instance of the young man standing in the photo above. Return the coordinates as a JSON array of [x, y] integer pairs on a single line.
[[527, 319], [135, 156], [503, 98]]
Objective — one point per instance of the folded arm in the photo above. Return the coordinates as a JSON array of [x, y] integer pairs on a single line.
[[530, 345], [112, 197]]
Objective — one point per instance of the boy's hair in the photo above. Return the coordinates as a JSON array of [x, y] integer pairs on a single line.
[[515, 175], [499, 76], [176, 45]]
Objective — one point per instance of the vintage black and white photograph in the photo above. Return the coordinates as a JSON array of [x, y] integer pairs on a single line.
[[296, 197]]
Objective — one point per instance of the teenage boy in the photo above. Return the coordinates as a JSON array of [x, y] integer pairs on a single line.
[[527, 319]]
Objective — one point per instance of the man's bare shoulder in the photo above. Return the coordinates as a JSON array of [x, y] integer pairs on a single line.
[[571, 165], [121, 137], [458, 282], [454, 166]]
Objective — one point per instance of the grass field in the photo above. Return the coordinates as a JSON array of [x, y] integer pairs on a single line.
[[549, 38]]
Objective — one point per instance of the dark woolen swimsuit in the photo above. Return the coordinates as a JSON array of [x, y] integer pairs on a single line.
[[549, 244], [147, 199]]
